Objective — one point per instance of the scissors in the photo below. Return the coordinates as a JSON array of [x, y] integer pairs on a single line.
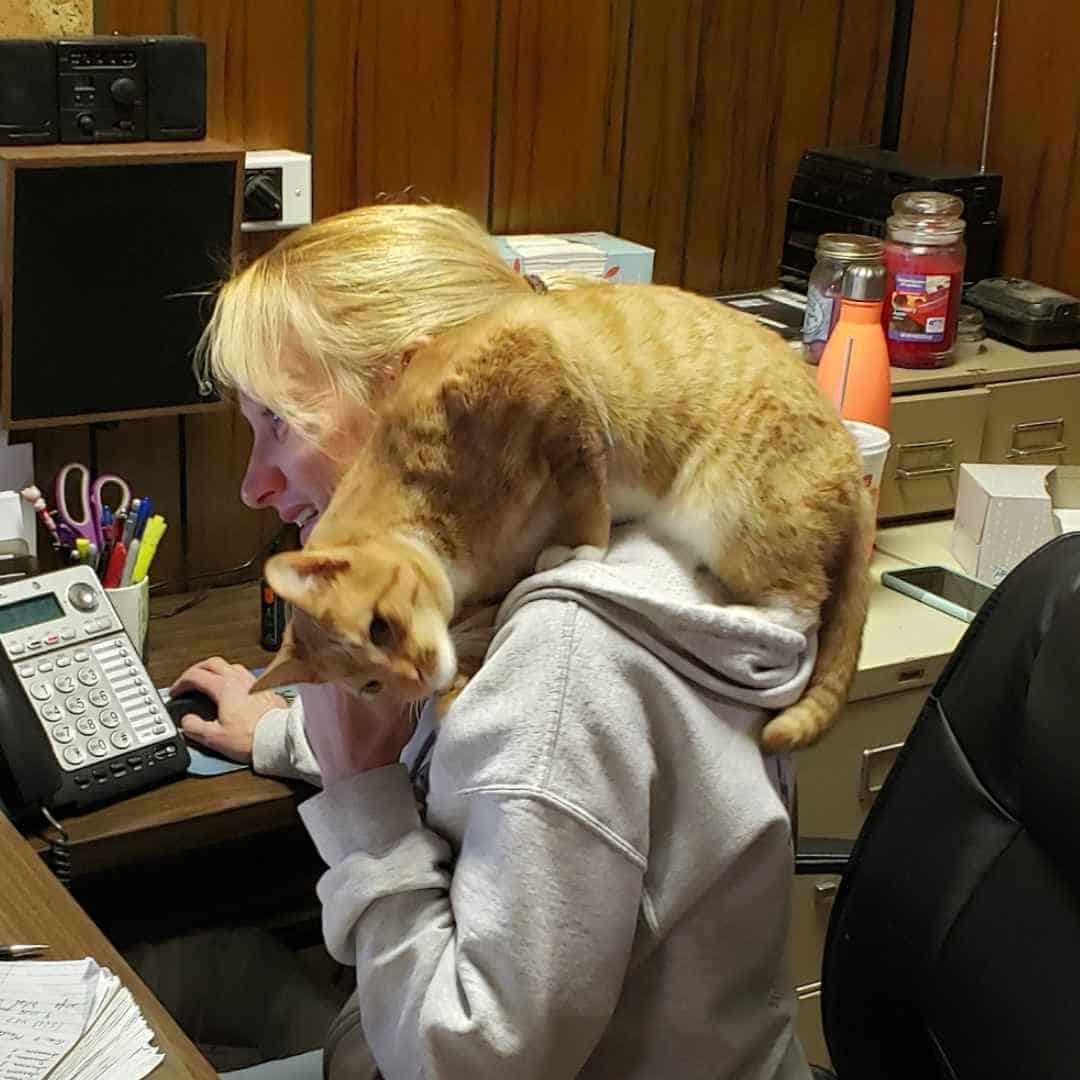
[[88, 523]]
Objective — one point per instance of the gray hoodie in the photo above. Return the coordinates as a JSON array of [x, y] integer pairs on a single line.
[[599, 887]]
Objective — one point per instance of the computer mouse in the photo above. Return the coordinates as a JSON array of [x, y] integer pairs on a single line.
[[192, 701]]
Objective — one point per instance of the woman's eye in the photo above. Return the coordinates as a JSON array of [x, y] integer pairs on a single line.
[[277, 424]]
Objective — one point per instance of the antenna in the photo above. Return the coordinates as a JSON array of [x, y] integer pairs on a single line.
[[991, 81], [896, 79]]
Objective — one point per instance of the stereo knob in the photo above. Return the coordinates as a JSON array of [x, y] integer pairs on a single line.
[[85, 123], [124, 91]]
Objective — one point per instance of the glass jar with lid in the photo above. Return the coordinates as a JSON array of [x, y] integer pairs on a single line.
[[835, 253], [924, 263]]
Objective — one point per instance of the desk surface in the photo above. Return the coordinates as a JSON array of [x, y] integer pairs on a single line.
[[34, 907]]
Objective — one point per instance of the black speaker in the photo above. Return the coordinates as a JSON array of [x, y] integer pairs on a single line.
[[176, 87], [28, 106]]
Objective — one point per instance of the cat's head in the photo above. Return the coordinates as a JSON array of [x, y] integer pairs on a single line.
[[371, 617]]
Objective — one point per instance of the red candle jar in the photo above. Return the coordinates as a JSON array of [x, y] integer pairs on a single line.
[[924, 264]]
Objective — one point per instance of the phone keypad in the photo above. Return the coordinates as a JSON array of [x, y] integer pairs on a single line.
[[96, 701]]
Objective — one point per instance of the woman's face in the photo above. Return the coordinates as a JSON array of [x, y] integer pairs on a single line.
[[290, 473]]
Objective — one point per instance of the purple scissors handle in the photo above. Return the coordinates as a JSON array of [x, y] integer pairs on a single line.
[[88, 522]]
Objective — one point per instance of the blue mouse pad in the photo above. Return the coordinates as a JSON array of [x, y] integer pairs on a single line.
[[206, 762]]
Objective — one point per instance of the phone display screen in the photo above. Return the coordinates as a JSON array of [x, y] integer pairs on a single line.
[[957, 589], [23, 613]]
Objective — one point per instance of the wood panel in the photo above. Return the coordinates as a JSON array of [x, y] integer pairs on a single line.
[[146, 454], [222, 532], [857, 98], [402, 97], [55, 18], [559, 114], [1034, 123], [764, 74], [257, 69], [134, 16], [659, 126]]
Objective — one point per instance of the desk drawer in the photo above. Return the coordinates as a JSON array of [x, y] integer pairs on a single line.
[[1034, 422], [808, 1027], [839, 777], [931, 435], [812, 898]]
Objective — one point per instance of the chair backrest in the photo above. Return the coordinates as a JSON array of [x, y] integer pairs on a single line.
[[954, 944]]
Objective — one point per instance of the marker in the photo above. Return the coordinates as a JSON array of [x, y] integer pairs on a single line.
[[144, 516], [115, 570], [129, 564], [129, 527], [155, 530]]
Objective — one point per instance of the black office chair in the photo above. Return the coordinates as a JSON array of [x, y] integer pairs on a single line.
[[953, 948]]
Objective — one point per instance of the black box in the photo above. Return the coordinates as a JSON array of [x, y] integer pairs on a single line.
[[851, 191]]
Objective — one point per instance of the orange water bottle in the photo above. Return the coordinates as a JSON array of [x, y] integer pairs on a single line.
[[854, 368]]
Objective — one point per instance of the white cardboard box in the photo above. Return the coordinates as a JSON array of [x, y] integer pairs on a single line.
[[1005, 512]]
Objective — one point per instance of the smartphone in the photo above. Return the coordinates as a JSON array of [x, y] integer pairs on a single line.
[[941, 588]]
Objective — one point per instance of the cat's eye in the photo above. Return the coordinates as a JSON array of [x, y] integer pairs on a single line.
[[381, 632], [372, 687]]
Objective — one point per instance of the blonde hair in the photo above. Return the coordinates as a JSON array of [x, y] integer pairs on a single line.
[[346, 294]]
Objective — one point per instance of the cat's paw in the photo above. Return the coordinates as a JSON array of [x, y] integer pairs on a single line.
[[558, 554]]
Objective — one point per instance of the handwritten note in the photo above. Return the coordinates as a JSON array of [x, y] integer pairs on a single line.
[[67, 1019]]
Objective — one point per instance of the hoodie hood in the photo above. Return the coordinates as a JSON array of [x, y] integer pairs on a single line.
[[653, 595]]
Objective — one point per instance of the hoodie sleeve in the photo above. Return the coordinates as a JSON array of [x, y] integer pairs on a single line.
[[509, 961], [280, 746]]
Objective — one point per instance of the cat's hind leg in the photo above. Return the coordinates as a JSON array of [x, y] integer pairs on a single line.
[[583, 524]]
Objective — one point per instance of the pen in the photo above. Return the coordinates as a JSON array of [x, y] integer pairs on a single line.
[[144, 516], [115, 570], [18, 952], [129, 525], [129, 564]]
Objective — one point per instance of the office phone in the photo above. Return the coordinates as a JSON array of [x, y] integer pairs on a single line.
[[80, 720]]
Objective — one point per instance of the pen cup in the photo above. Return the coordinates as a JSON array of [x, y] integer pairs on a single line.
[[132, 604]]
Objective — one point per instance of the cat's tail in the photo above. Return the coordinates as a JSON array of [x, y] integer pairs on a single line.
[[839, 641]]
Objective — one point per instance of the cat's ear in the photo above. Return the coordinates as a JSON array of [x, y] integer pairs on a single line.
[[455, 403], [286, 669], [300, 577]]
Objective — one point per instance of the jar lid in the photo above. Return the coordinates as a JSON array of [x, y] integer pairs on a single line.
[[850, 247], [933, 231], [928, 204]]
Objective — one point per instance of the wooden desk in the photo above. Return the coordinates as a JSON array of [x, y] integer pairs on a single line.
[[35, 907], [196, 811]]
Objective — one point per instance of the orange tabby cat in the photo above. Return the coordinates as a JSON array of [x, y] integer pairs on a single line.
[[512, 444]]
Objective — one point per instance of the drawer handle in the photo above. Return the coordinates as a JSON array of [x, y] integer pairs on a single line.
[[926, 470], [1032, 451], [808, 990], [930, 470], [1056, 426], [865, 787]]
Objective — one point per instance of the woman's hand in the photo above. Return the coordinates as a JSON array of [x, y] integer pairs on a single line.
[[239, 713], [350, 734]]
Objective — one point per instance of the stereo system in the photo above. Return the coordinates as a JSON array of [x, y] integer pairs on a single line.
[[102, 89], [851, 191]]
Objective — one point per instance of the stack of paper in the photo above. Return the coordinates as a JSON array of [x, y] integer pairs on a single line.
[[70, 1020], [541, 254]]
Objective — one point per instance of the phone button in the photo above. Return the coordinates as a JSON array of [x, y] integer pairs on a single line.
[[99, 697], [27, 670], [40, 691], [110, 718], [44, 666], [81, 655], [74, 755], [82, 781], [65, 684], [15, 649], [53, 639], [34, 643], [52, 712], [100, 773], [98, 747], [76, 705], [120, 739], [89, 677], [67, 634], [87, 726], [62, 733], [63, 661]]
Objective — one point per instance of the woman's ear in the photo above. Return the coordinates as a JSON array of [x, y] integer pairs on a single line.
[[404, 358]]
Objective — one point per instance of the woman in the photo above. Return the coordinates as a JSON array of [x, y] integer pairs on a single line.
[[587, 872]]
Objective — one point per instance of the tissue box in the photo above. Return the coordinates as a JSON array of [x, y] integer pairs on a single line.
[[597, 254], [1005, 512]]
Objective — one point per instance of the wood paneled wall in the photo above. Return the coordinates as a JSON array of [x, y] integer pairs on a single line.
[[677, 123]]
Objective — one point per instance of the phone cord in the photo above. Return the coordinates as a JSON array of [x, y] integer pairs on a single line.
[[59, 851]]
